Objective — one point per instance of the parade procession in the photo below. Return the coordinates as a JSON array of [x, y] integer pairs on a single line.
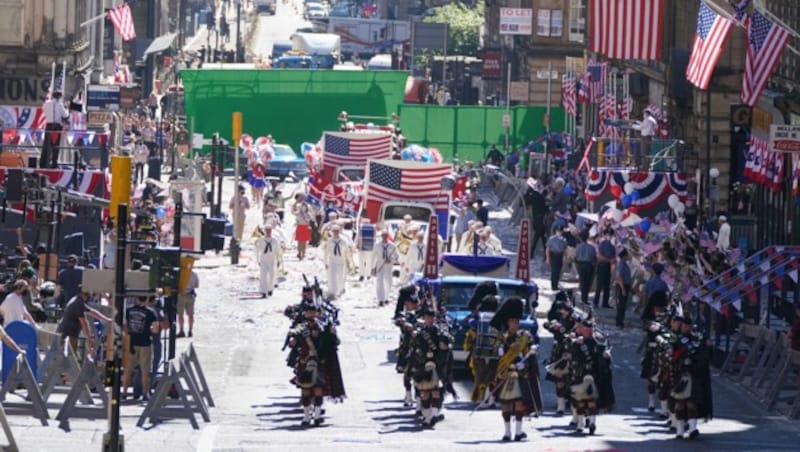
[[340, 225]]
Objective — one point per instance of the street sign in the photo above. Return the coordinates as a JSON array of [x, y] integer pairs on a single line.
[[784, 138], [99, 117], [516, 21], [102, 97], [506, 120], [428, 35]]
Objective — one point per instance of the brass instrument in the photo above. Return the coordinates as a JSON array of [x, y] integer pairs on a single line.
[[506, 361]]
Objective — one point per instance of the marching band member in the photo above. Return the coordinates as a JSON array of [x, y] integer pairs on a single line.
[[384, 256], [365, 242], [267, 251], [414, 259], [337, 250]]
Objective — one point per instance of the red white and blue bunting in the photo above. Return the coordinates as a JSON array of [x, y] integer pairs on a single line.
[[653, 187]]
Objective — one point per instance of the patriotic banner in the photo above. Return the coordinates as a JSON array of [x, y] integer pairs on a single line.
[[431, 269], [523, 254], [122, 20], [627, 29], [583, 88], [712, 31], [403, 180], [765, 44], [88, 181], [739, 8], [654, 188], [354, 148], [598, 73], [346, 197]]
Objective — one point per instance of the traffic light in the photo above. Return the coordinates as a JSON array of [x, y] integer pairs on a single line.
[[212, 234], [165, 267]]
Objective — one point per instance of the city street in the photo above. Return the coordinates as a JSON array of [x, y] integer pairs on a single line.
[[239, 337], [275, 28]]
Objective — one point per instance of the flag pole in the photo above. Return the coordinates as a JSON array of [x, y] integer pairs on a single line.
[[93, 19], [52, 77], [763, 10]]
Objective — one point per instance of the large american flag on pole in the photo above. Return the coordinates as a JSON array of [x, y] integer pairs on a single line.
[[765, 45], [390, 180], [354, 148], [123, 21], [627, 29], [598, 73], [568, 93], [712, 31]]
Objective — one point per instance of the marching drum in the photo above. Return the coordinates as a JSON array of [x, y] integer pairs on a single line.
[[486, 337]]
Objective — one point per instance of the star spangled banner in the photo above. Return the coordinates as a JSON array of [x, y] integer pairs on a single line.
[[354, 148], [712, 31], [390, 180], [766, 42], [627, 29], [122, 20]]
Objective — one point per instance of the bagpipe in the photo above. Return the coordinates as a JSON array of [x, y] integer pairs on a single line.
[[327, 308]]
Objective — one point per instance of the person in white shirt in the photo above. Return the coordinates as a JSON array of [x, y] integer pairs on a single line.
[[493, 241], [140, 154], [414, 258], [365, 242], [384, 256], [267, 249], [337, 250], [55, 114], [484, 248], [13, 306], [648, 128], [724, 234]]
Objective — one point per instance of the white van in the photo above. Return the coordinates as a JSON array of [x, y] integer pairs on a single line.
[[381, 62]]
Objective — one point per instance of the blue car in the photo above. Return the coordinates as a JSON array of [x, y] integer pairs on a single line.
[[284, 162], [454, 293]]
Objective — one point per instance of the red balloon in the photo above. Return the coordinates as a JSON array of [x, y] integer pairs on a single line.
[[616, 190]]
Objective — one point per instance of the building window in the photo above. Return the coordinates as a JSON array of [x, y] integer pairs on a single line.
[[550, 23], [577, 20]]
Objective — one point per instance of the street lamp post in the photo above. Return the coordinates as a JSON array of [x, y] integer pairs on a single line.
[[239, 52], [713, 192]]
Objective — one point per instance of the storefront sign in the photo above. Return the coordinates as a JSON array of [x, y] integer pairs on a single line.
[[516, 21], [99, 117], [18, 90], [103, 97], [128, 96], [492, 59], [784, 138]]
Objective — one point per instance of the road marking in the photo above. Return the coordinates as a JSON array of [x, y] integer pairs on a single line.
[[206, 443]]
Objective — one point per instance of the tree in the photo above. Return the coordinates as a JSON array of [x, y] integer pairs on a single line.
[[464, 26]]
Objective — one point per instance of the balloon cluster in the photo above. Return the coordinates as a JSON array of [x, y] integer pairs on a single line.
[[310, 153], [421, 154], [630, 196], [676, 205]]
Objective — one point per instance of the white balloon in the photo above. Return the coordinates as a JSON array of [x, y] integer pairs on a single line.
[[680, 208], [673, 200], [628, 187], [617, 216]]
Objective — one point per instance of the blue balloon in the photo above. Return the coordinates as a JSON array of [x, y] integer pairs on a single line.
[[160, 213], [645, 224], [306, 147], [568, 190], [635, 195], [626, 201], [406, 154]]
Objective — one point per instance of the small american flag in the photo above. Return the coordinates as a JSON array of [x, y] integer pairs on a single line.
[[765, 45], [389, 180], [348, 148], [712, 31], [583, 88], [627, 29], [739, 8], [598, 72], [607, 111], [123, 21], [568, 92]]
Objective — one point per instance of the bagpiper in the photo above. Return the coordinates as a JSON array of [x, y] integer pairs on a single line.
[[650, 362], [591, 389], [407, 321], [560, 322], [517, 379], [317, 372], [482, 362], [691, 379], [425, 345]]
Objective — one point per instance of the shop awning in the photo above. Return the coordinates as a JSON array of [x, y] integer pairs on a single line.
[[160, 44]]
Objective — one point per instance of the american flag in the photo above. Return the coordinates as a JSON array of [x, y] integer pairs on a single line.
[[627, 29], [765, 45], [123, 21], [348, 148], [796, 174], [598, 72], [583, 88], [739, 8], [121, 72], [390, 180], [607, 111], [712, 31], [568, 92]]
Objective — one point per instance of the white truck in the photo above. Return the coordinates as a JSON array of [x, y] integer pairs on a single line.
[[364, 38], [324, 48]]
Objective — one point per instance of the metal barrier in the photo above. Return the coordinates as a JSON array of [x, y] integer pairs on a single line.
[[22, 147], [661, 155]]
